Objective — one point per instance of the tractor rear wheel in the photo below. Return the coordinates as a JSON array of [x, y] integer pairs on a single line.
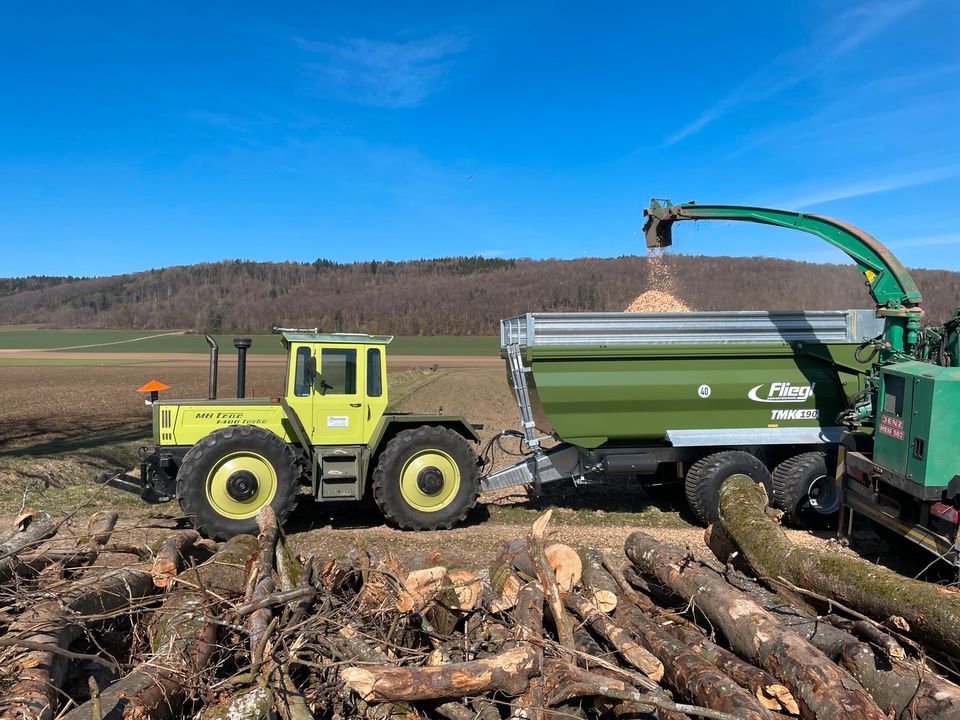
[[232, 474], [427, 478], [704, 478], [805, 488]]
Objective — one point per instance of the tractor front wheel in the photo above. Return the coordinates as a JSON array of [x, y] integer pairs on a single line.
[[232, 474], [426, 479]]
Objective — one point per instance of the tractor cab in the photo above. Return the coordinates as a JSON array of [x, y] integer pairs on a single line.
[[337, 384]]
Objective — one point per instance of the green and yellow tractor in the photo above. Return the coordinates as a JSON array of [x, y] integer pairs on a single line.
[[226, 459]]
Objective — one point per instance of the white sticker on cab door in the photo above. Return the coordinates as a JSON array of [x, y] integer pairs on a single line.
[[338, 421]]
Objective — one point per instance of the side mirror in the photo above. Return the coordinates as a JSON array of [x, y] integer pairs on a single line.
[[311, 371]]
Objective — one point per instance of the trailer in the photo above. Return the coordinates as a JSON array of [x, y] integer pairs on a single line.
[[692, 397]]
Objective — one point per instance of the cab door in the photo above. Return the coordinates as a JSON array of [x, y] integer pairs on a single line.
[[339, 401]]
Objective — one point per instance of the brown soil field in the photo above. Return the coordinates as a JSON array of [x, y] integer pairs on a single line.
[[62, 426]]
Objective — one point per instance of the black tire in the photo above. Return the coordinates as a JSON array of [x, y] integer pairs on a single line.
[[204, 475], [704, 478], [454, 492], [804, 487]]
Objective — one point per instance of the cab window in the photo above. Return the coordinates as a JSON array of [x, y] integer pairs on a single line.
[[338, 370], [301, 383], [374, 381]]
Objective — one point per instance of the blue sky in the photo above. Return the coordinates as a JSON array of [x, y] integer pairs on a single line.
[[137, 134]]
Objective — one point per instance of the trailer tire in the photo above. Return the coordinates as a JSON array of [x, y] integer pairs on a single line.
[[704, 478], [804, 487], [227, 477], [427, 478]]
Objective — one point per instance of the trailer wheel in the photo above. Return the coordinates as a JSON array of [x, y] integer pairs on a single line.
[[427, 478], [704, 478], [805, 488], [232, 474]]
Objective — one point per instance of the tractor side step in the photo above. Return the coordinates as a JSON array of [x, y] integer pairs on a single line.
[[340, 472]]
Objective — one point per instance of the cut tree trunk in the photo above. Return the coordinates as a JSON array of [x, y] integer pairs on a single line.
[[508, 673], [32, 528], [182, 639], [169, 556], [263, 586], [563, 559], [624, 641], [688, 674], [933, 611], [599, 586], [822, 689], [769, 691], [902, 688], [547, 578]]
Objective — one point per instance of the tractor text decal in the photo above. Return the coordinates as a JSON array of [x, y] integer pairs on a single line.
[[782, 392], [229, 418]]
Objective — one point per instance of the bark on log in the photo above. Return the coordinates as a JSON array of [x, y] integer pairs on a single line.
[[57, 623], [588, 649], [60, 563], [263, 586], [870, 633], [901, 688], [599, 586], [624, 641], [548, 580], [504, 582], [168, 559], [528, 614], [249, 704], [769, 691], [32, 528], [821, 688], [182, 639], [688, 674], [509, 672], [933, 611]]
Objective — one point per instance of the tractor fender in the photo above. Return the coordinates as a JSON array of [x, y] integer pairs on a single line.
[[392, 424]]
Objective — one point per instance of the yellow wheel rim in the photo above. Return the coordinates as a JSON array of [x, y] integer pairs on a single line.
[[429, 480], [229, 488]]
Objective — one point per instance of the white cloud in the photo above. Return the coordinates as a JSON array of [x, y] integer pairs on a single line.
[[873, 186], [927, 241], [842, 35], [382, 73]]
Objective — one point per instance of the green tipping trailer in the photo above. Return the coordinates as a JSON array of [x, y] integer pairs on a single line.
[[701, 395]]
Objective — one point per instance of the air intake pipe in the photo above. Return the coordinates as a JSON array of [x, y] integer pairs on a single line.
[[242, 344], [214, 359]]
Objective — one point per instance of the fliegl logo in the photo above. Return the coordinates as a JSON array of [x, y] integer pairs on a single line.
[[782, 392]]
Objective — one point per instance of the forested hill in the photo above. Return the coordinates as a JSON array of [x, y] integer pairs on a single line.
[[445, 296]]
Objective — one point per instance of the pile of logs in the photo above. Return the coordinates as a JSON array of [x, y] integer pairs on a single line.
[[245, 629]]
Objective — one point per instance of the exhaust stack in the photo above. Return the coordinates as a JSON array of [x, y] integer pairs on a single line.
[[214, 359], [242, 344]]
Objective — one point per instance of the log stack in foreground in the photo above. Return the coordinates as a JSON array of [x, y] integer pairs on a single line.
[[245, 629]]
